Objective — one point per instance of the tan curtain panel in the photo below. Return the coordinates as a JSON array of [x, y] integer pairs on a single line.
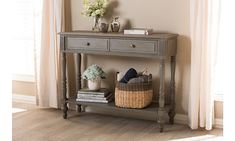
[[204, 27], [48, 54]]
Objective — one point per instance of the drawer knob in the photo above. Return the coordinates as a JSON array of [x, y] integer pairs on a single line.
[[132, 46], [88, 44]]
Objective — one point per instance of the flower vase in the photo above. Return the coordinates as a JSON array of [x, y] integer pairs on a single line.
[[96, 21], [115, 25], [94, 85]]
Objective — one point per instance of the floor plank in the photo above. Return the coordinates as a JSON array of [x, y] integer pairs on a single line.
[[37, 124]]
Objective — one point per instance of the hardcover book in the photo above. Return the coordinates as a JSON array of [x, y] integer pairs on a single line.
[[92, 100], [138, 31], [101, 92], [91, 96], [107, 99]]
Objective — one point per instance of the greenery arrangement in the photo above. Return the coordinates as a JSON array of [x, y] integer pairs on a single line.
[[93, 72], [94, 8]]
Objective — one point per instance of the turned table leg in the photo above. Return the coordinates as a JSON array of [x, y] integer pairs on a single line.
[[64, 84], [78, 76], [172, 91], [161, 109]]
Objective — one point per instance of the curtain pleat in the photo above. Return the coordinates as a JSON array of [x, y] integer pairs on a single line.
[[204, 27], [48, 55]]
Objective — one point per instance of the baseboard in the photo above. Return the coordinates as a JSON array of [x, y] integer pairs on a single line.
[[24, 98], [183, 119], [219, 123]]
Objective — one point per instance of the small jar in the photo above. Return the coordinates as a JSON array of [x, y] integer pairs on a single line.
[[115, 25], [104, 27]]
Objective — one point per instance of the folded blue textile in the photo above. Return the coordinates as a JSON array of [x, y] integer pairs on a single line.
[[131, 73]]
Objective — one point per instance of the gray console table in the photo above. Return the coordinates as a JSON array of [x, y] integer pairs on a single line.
[[161, 46]]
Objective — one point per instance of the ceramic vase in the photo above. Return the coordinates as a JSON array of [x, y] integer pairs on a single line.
[[104, 27], [115, 25], [94, 85]]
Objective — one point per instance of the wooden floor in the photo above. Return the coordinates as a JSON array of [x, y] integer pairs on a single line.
[[34, 124]]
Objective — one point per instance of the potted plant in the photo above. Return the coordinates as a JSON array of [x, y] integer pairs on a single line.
[[94, 74], [95, 9]]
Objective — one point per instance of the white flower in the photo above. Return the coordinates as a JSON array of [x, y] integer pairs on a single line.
[[93, 72], [95, 8], [97, 12]]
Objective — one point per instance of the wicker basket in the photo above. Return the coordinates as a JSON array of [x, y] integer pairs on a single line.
[[137, 95]]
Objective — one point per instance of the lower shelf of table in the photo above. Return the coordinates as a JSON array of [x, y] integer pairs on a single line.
[[153, 107]]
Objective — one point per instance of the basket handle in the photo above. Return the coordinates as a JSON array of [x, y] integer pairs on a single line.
[[150, 78], [117, 76]]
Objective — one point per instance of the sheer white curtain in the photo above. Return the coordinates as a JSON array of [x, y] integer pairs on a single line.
[[47, 55], [204, 27]]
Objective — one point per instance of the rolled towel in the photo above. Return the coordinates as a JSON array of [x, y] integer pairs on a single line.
[[140, 79], [131, 73]]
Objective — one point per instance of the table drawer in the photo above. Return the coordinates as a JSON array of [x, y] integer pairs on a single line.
[[87, 43], [135, 46]]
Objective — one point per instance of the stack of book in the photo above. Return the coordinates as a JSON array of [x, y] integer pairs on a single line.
[[138, 31], [100, 96]]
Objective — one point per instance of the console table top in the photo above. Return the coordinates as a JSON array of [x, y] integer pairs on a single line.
[[118, 34]]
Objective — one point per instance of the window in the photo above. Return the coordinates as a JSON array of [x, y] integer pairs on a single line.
[[26, 37], [222, 74], [219, 76]]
